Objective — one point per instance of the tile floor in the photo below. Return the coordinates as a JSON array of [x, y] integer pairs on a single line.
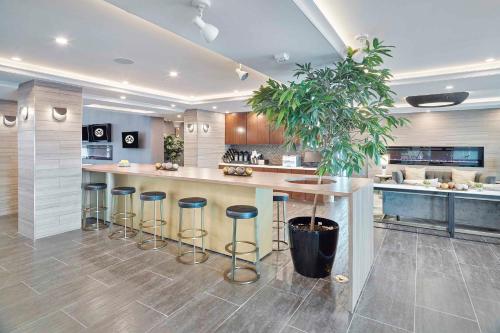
[[84, 282]]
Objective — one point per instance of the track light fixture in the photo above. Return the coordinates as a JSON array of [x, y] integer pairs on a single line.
[[208, 31], [243, 75]]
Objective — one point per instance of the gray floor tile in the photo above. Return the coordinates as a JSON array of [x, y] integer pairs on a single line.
[[364, 325], [125, 269], [133, 318], [488, 314], [430, 321], [239, 294], [289, 329], [388, 299], [172, 269], [126, 251], [289, 280], [400, 241], [324, 309], [266, 312], [478, 254], [15, 293], [173, 296], [378, 238], [435, 259], [57, 322], [443, 243], [496, 249], [278, 258], [482, 282], [112, 300], [208, 310], [443, 293], [401, 265]]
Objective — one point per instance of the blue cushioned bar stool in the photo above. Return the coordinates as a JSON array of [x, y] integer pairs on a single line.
[[192, 233], [242, 212], [280, 224], [93, 217], [153, 242], [126, 215]]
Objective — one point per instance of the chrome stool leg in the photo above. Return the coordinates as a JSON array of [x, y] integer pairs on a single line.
[[230, 274], [281, 225], [194, 236], [88, 210], [154, 242], [125, 216]]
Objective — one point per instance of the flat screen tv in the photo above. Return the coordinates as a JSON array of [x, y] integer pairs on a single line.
[[442, 156], [85, 133], [130, 139], [100, 132]]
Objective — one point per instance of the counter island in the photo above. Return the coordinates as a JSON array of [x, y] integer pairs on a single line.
[[221, 191]]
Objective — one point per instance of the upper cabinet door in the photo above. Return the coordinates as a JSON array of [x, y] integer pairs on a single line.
[[276, 135], [236, 128], [257, 129]]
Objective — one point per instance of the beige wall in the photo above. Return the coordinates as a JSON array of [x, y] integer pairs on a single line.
[[202, 149], [49, 160], [453, 128], [8, 160]]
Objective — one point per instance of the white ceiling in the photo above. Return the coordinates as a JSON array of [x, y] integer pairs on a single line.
[[438, 43]]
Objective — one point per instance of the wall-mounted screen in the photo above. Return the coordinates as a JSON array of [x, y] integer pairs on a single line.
[[130, 139], [444, 156], [85, 133], [100, 132]]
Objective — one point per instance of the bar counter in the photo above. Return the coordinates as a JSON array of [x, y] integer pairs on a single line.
[[222, 191]]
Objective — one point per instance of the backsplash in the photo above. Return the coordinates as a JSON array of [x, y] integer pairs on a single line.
[[271, 152]]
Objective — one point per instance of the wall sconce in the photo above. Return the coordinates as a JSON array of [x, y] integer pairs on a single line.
[[23, 112], [205, 127], [9, 121], [59, 114], [190, 128]]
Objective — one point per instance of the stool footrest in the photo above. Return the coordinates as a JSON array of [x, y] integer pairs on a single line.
[[231, 279], [123, 215], [229, 247], [202, 234], [120, 234], [101, 209], [145, 224]]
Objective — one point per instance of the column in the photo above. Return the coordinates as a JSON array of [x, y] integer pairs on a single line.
[[49, 163], [8, 158], [203, 138]]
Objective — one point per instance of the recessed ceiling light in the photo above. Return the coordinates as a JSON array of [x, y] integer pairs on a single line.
[[172, 105], [214, 107], [192, 96], [123, 97], [490, 60], [178, 116], [125, 82], [61, 40], [227, 111], [123, 61], [16, 59], [173, 74], [449, 87], [236, 91]]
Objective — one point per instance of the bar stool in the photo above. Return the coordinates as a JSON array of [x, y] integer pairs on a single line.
[[125, 215], [280, 198], [152, 243], [242, 212], [89, 222], [192, 203]]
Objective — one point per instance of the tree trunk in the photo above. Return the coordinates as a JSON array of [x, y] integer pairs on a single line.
[[315, 204]]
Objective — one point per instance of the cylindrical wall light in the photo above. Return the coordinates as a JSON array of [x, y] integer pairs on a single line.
[[9, 121], [205, 127], [59, 114], [23, 112]]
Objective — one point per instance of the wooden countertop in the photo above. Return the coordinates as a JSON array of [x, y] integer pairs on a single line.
[[342, 186], [268, 166]]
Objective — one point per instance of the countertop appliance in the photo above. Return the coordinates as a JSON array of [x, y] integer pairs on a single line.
[[291, 161], [97, 152]]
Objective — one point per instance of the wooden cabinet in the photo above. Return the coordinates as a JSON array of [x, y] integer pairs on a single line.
[[276, 135], [236, 128], [257, 129]]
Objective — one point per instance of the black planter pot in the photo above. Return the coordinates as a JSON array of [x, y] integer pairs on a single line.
[[313, 252]]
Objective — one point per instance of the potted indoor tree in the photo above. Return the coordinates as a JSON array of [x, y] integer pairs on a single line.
[[173, 148], [342, 113]]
